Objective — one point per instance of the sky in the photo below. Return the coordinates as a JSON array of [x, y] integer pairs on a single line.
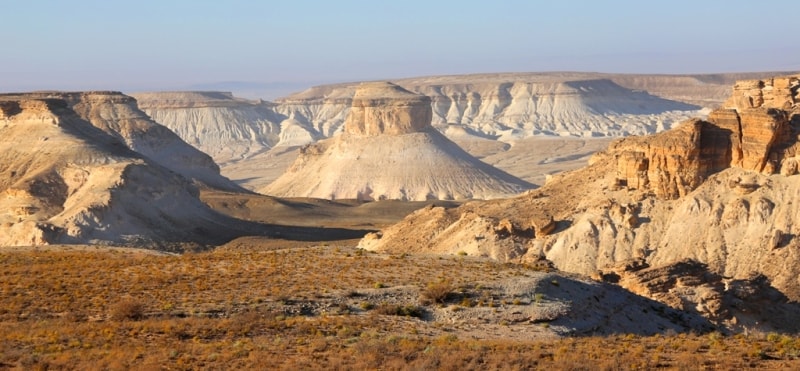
[[282, 44]]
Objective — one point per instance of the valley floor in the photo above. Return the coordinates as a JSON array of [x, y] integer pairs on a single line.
[[260, 303]]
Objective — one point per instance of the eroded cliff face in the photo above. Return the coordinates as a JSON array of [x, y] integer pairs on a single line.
[[118, 116], [510, 110], [66, 179], [757, 131], [381, 108], [718, 191], [388, 150], [229, 129]]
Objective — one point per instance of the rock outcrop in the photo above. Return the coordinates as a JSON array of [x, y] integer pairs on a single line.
[[386, 109], [750, 133], [117, 115], [719, 191], [688, 285], [69, 174], [388, 150]]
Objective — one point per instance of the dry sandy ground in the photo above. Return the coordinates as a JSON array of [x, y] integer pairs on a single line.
[[532, 159], [305, 212]]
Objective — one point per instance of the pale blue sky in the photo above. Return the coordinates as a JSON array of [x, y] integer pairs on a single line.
[[179, 44]]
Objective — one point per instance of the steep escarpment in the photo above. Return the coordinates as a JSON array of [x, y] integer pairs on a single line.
[[254, 141], [63, 179], [229, 129], [718, 191], [757, 130], [118, 116], [388, 150]]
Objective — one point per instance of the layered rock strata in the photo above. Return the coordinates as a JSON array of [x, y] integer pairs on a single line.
[[756, 131], [388, 150], [117, 115], [719, 191], [69, 174]]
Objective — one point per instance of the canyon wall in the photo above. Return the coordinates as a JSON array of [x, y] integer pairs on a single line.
[[720, 191]]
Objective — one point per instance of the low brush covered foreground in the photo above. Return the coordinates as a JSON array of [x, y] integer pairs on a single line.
[[277, 304]]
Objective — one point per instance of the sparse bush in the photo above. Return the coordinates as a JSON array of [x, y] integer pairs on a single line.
[[437, 292], [127, 309]]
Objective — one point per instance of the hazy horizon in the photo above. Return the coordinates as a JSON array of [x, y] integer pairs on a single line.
[[286, 46]]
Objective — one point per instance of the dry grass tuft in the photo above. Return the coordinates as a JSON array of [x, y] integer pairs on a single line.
[[127, 309], [438, 292]]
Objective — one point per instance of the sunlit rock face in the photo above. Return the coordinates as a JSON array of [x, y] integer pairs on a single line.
[[389, 150]]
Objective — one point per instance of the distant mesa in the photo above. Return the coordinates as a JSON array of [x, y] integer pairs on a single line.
[[227, 128], [253, 141], [389, 150]]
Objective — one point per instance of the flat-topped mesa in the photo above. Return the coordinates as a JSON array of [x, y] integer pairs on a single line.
[[390, 151], [384, 108]]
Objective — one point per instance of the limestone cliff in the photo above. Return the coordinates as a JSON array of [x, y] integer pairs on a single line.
[[118, 116], [255, 141], [751, 134], [515, 107], [719, 191], [388, 150], [66, 179], [229, 129]]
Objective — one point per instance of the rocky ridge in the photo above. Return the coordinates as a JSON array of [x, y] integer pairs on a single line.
[[117, 115], [688, 193], [78, 179], [388, 150], [755, 130]]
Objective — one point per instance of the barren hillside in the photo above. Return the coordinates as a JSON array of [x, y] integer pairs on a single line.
[[718, 191], [71, 173]]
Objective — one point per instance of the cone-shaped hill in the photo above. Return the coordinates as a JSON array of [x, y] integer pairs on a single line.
[[389, 150]]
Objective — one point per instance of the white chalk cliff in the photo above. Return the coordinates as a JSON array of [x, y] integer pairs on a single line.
[[388, 150], [253, 141]]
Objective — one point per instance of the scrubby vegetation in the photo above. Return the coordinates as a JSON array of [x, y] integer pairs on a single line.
[[298, 308]]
